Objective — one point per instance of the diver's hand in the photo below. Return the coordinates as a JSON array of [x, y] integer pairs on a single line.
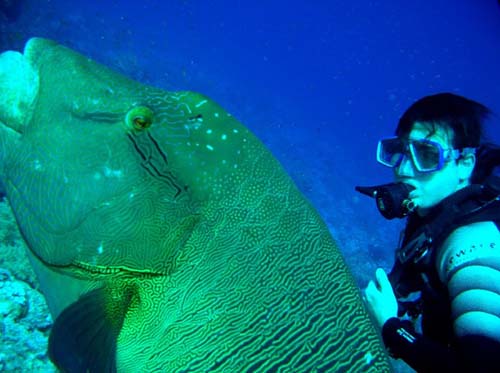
[[380, 298]]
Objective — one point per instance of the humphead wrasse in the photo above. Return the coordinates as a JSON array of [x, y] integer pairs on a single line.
[[165, 236]]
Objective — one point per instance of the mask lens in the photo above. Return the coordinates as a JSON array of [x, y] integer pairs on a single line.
[[427, 156], [390, 152]]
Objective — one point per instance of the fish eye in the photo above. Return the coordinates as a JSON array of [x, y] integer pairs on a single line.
[[139, 118]]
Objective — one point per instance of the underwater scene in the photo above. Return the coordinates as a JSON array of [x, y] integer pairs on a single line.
[[177, 178]]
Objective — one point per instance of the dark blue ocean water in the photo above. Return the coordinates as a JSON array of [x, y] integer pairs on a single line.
[[318, 81]]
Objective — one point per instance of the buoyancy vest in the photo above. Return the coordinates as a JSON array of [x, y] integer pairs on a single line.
[[414, 269]]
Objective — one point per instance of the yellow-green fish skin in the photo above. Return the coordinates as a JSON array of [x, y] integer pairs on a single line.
[[165, 197]]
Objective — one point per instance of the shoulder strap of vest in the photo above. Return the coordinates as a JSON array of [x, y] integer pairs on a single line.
[[444, 219]]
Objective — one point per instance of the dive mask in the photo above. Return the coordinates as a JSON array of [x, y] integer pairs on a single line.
[[426, 155]]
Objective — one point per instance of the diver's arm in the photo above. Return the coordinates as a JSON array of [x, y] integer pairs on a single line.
[[419, 352], [400, 339], [470, 266], [473, 354]]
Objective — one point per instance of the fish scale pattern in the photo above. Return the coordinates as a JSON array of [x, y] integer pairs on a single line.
[[186, 224]]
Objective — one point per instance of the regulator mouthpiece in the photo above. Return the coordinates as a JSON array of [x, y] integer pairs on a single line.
[[392, 199]]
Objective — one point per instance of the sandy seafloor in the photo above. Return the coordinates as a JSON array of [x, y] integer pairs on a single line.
[[319, 95]]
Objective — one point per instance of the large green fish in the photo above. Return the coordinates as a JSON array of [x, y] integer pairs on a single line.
[[165, 236]]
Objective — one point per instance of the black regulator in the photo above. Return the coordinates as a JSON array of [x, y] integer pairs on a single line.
[[392, 199]]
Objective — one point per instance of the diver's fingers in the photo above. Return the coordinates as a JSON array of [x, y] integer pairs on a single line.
[[371, 290], [382, 279]]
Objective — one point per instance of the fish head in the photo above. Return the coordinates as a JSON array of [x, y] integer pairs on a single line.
[[106, 175]]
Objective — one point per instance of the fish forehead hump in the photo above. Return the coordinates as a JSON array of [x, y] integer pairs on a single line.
[[167, 193]]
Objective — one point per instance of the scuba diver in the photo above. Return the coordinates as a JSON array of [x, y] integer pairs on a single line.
[[439, 307]]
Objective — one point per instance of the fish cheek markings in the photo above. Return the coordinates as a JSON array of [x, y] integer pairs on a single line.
[[154, 160]]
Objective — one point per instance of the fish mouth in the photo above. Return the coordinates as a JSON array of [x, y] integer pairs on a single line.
[[82, 269]]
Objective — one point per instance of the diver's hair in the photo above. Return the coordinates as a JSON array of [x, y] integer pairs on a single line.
[[464, 117]]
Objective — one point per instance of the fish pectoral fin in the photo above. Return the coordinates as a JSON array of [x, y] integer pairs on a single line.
[[84, 335]]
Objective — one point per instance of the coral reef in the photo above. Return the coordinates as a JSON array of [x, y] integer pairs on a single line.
[[25, 321]]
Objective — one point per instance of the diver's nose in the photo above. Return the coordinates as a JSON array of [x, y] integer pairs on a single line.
[[405, 168]]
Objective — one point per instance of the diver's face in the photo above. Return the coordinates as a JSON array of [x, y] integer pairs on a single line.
[[432, 187]]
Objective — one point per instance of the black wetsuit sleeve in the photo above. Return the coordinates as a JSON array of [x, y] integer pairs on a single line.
[[472, 354]]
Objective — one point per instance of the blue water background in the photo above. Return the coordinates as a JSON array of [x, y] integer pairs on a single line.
[[319, 82]]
